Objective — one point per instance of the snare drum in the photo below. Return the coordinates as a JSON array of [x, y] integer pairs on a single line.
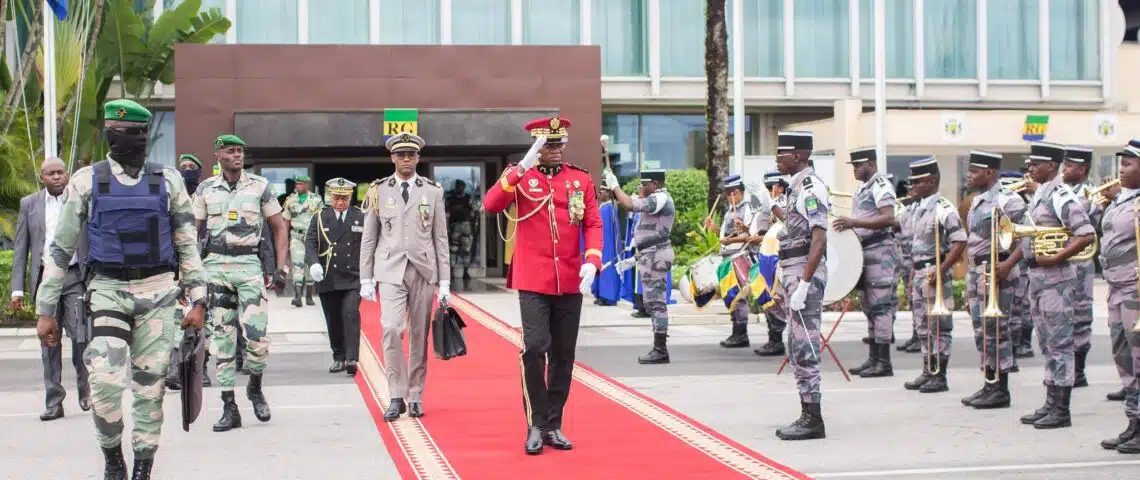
[[703, 274], [741, 266]]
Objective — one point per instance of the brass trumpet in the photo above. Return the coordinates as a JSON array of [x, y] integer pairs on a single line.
[[1095, 195], [992, 310], [1020, 185], [939, 309], [1047, 241]]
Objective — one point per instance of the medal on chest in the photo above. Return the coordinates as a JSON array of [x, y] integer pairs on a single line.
[[425, 212], [576, 203]]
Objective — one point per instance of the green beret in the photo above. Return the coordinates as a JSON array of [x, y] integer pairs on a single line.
[[302, 178], [191, 157], [126, 110], [228, 141]]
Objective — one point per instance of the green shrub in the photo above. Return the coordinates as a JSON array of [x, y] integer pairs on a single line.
[[9, 318], [689, 189]]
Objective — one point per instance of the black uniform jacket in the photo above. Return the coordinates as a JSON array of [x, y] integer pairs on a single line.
[[336, 246]]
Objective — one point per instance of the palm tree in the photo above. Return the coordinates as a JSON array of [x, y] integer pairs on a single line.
[[716, 107]]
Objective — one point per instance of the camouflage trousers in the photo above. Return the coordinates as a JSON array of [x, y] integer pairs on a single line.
[[878, 292], [238, 298], [461, 238], [804, 338], [653, 265], [1083, 306], [1051, 306], [132, 324], [1019, 317], [777, 315], [1123, 310], [297, 258], [992, 336], [934, 332]]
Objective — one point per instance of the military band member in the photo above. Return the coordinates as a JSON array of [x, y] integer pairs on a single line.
[[803, 244], [1020, 323], [1075, 174], [139, 230], [1118, 256], [404, 255], [776, 316], [461, 226], [734, 237], [332, 256], [654, 252], [873, 218], [935, 332], [1053, 281], [992, 336], [557, 211], [297, 211], [233, 206], [777, 185], [904, 223]]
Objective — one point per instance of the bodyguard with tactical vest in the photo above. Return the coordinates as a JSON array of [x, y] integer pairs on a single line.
[[233, 206], [139, 227]]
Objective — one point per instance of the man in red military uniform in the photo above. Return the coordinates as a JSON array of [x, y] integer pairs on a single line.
[[555, 204]]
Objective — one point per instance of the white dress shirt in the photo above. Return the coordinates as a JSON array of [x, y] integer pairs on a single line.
[[53, 206]]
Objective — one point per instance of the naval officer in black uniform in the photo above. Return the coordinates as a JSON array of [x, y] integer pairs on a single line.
[[332, 254]]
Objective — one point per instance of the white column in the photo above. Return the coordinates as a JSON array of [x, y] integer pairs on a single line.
[[50, 108], [881, 84], [919, 49], [445, 22], [736, 166], [516, 22], [374, 21], [1043, 46], [303, 22], [983, 48], [1108, 46], [231, 13], [586, 22], [853, 38], [653, 10], [789, 48]]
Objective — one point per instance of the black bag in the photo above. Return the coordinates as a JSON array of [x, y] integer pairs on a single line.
[[447, 333]]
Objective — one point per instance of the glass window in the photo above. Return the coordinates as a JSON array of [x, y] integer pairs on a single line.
[[338, 21], [1011, 31], [683, 38], [763, 37], [481, 22], [625, 153], [206, 6], [547, 22], [162, 149], [950, 38], [278, 175], [619, 27], [899, 23], [266, 21], [409, 22], [1074, 30], [822, 39]]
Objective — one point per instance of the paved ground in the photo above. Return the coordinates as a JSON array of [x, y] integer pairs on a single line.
[[876, 429]]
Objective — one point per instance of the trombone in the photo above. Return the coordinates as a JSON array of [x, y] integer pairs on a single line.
[[1047, 241], [939, 309], [1095, 195], [992, 310]]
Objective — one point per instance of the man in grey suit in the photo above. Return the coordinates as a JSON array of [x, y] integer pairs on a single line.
[[404, 252], [35, 229]]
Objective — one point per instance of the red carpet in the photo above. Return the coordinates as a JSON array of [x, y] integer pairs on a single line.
[[474, 425]]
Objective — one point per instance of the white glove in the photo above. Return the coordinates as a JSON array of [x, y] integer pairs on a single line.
[[799, 297], [317, 272], [444, 290], [368, 290], [587, 275], [531, 158], [609, 180], [624, 265]]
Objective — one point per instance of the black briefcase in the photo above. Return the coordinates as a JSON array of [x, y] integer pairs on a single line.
[[447, 333], [192, 355]]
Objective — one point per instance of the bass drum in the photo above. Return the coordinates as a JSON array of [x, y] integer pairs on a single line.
[[683, 287], [844, 264]]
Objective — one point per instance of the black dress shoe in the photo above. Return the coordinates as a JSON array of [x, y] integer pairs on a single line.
[[336, 367], [52, 413], [350, 367], [415, 409], [533, 441], [556, 439], [85, 403], [395, 409]]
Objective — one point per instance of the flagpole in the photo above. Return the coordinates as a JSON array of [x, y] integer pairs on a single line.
[[50, 110]]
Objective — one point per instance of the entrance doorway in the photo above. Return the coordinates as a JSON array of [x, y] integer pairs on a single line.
[[466, 226]]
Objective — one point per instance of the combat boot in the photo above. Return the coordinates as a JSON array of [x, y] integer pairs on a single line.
[[1080, 380], [1024, 349], [142, 469], [309, 296], [997, 395], [937, 382], [915, 347], [297, 288], [659, 353], [255, 396], [774, 347], [1132, 446], [913, 341], [871, 352], [1117, 396], [738, 338], [231, 417], [985, 390], [1058, 417], [808, 427], [1128, 434], [882, 366], [1050, 399], [114, 468], [922, 377]]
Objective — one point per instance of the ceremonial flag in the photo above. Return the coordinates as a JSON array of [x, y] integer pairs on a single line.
[[59, 7], [762, 279], [729, 287]]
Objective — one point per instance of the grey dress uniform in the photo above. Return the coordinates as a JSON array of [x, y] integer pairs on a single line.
[[1086, 273], [654, 249], [405, 252]]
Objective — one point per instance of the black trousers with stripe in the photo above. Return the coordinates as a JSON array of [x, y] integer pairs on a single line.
[[550, 336]]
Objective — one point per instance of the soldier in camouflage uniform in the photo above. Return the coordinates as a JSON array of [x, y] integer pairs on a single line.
[[461, 226], [992, 336], [233, 207], [1075, 173], [935, 332], [1020, 323], [654, 252], [803, 244], [139, 229], [1053, 281], [298, 211], [1118, 259], [734, 237], [872, 218]]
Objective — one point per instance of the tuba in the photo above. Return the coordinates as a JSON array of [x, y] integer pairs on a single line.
[[939, 309], [992, 310], [1095, 196], [1047, 241]]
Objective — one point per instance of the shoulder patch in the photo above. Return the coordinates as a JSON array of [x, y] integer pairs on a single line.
[[883, 181], [575, 167], [806, 182]]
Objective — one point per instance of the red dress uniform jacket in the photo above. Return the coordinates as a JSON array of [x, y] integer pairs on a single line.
[[548, 253]]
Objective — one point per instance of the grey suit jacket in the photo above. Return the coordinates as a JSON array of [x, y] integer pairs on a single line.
[[29, 249], [397, 234]]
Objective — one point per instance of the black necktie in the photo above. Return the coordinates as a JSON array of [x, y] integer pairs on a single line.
[[405, 193]]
